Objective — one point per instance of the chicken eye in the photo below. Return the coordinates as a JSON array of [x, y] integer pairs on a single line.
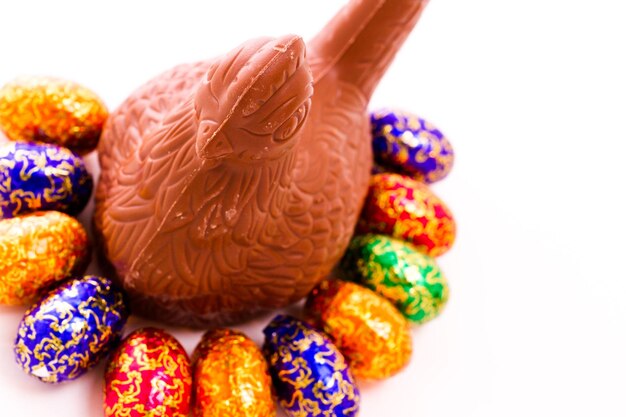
[[291, 126]]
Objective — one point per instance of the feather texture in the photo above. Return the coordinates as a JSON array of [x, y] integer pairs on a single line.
[[233, 185]]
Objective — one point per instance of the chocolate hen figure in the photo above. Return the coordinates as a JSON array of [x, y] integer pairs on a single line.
[[233, 185]]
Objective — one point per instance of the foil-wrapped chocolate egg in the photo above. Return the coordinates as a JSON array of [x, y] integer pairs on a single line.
[[53, 111], [407, 144], [231, 377], [396, 270], [149, 374], [367, 328], [402, 207], [42, 177], [310, 375], [71, 329], [37, 250]]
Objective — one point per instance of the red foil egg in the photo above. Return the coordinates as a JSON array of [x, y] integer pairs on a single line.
[[148, 375], [404, 208]]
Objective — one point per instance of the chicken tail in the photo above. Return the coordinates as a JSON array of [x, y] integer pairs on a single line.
[[361, 41]]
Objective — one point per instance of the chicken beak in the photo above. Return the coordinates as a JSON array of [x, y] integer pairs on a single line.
[[212, 143], [218, 147]]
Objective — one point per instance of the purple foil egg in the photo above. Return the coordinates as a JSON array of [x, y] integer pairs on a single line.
[[36, 177], [406, 144], [70, 329], [308, 370]]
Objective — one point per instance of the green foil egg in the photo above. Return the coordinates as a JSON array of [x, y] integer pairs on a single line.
[[396, 270]]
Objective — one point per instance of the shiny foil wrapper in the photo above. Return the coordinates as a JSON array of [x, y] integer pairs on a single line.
[[231, 377], [366, 327], [71, 329], [149, 374], [397, 271], [310, 375], [402, 207], [37, 250], [42, 177], [407, 144], [52, 111]]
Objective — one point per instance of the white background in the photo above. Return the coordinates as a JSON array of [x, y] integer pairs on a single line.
[[533, 96]]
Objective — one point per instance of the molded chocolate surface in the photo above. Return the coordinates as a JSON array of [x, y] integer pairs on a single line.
[[233, 185]]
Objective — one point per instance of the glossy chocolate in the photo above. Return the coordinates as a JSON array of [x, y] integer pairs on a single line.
[[233, 185]]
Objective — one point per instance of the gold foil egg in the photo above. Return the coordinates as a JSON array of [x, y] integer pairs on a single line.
[[231, 377], [54, 111], [367, 328], [37, 250]]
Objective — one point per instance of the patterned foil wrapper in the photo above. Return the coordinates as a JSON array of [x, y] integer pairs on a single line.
[[71, 329], [42, 177], [54, 111], [407, 144], [231, 377], [148, 375], [398, 272], [37, 250], [310, 375], [402, 207], [367, 328]]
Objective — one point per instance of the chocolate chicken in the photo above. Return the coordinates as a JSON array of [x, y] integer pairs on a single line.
[[232, 186]]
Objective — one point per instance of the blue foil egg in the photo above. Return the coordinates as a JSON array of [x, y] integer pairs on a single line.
[[71, 329], [406, 144], [37, 177], [309, 373]]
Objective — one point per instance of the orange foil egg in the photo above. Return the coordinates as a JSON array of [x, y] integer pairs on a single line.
[[148, 375], [367, 328], [231, 377], [54, 111], [37, 250]]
